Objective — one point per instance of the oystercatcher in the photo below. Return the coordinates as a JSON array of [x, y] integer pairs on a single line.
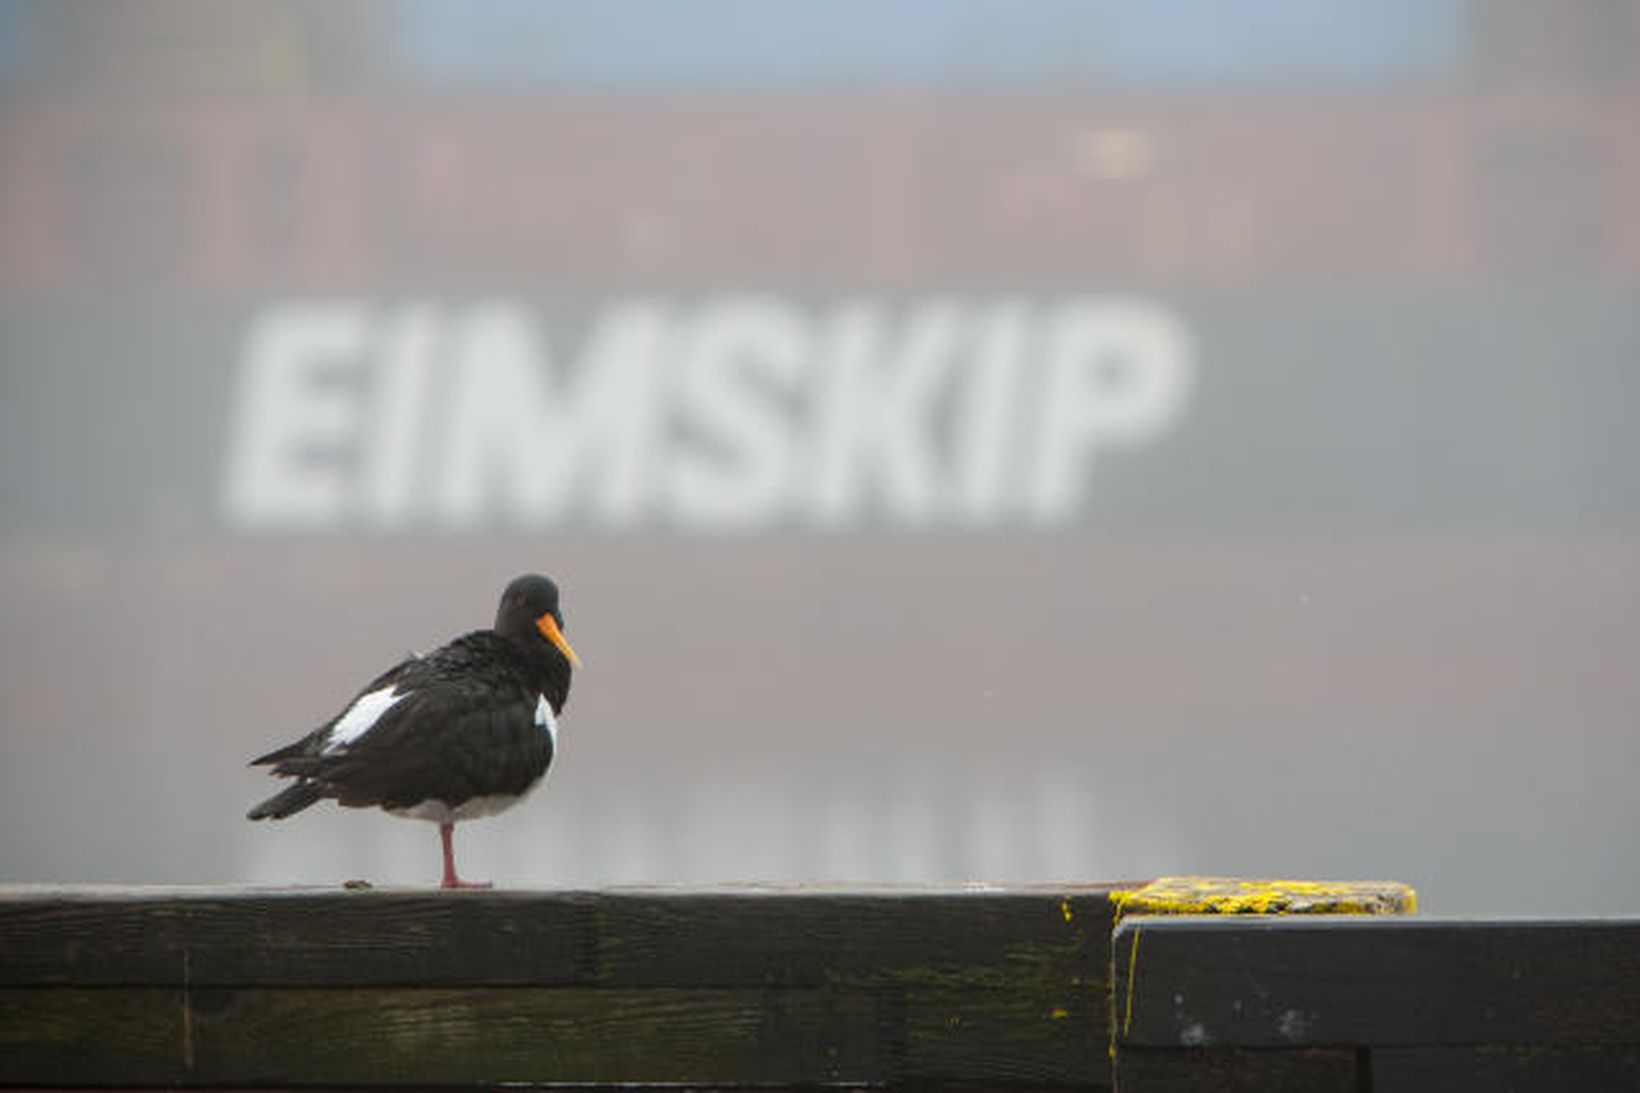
[[462, 732]]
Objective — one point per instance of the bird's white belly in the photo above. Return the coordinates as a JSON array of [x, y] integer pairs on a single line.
[[442, 812]]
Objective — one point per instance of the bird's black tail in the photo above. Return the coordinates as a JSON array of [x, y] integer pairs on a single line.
[[288, 801]]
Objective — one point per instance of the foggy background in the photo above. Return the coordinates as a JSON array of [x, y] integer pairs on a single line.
[[977, 441]]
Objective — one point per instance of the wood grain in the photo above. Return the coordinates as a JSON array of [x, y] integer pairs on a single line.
[[1487, 1068], [611, 938], [769, 987], [1238, 1070], [440, 1036], [1282, 982]]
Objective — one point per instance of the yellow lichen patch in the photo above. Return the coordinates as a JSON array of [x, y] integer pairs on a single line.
[[1232, 896]]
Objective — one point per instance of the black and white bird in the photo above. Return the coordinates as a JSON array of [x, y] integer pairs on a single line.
[[463, 732]]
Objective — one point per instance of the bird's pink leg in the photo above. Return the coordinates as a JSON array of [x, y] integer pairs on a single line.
[[445, 831]]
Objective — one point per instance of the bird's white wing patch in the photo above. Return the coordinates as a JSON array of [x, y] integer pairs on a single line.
[[362, 716], [545, 719]]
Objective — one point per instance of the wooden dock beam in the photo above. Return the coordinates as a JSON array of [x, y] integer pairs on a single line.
[[751, 986], [1376, 1005], [1182, 985]]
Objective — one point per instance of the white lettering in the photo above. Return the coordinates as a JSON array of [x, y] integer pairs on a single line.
[[874, 412], [292, 420], [984, 427], [391, 468], [744, 412], [521, 444], [743, 358], [1116, 374]]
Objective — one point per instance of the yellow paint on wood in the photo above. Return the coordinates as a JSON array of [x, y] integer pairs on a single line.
[[1236, 896], [1133, 967], [1233, 896]]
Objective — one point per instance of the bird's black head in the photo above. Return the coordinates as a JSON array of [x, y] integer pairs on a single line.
[[529, 613]]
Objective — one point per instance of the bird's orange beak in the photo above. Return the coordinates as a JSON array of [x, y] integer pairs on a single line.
[[549, 630]]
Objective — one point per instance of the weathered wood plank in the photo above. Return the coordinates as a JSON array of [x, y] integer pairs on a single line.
[[437, 1036], [1049, 938], [1490, 1068], [132, 1037], [1239, 1070], [976, 939], [1274, 982], [775, 986], [960, 1035], [336, 1035], [315, 938]]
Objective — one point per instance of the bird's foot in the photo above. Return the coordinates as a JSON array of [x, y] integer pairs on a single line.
[[457, 882]]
